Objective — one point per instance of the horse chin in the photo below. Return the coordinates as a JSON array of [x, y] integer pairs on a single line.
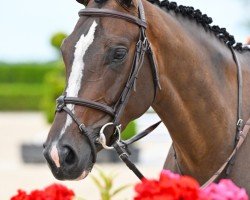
[[83, 175], [73, 176], [73, 173]]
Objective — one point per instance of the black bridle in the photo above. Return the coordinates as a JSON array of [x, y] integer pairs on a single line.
[[142, 47]]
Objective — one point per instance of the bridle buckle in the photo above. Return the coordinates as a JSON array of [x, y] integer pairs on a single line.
[[60, 103], [145, 44], [240, 124], [102, 138]]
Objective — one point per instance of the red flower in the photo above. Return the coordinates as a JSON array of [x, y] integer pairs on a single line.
[[175, 187], [53, 192], [58, 192], [38, 195], [168, 187], [189, 188], [21, 195]]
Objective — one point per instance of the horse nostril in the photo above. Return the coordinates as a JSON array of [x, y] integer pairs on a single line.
[[69, 156]]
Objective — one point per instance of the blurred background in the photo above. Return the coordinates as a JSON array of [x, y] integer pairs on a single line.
[[32, 76]]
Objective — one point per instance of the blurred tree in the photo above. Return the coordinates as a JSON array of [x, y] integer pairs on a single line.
[[54, 80], [57, 39]]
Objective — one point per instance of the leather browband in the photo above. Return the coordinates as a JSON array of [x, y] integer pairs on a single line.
[[112, 13]]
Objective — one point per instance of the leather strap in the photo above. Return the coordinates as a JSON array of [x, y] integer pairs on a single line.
[[90, 104], [141, 135], [141, 48], [239, 79], [141, 11], [112, 13], [242, 136], [122, 150], [125, 158]]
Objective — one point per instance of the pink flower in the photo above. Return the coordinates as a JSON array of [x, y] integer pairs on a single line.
[[170, 174], [225, 190]]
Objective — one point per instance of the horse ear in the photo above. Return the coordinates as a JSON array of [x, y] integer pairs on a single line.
[[125, 3], [84, 2]]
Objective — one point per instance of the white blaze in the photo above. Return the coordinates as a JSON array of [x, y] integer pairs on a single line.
[[75, 77], [55, 156]]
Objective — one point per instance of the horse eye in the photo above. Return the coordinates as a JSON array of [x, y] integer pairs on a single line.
[[120, 54]]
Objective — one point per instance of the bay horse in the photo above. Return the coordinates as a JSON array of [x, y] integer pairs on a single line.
[[193, 87]]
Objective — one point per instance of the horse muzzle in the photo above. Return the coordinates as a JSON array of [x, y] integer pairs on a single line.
[[66, 163]]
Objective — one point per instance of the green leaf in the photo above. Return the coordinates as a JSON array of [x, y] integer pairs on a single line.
[[97, 183], [104, 183], [109, 184], [105, 195], [118, 190], [107, 180]]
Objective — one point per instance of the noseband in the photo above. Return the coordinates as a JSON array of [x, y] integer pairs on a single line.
[[142, 47]]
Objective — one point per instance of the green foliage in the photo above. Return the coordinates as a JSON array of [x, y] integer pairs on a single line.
[[20, 97], [54, 81], [129, 131], [21, 85], [57, 39], [24, 73], [105, 184]]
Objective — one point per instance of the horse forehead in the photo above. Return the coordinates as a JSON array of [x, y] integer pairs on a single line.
[[81, 28], [70, 44]]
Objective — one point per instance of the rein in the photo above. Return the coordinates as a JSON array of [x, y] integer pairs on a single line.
[[121, 147]]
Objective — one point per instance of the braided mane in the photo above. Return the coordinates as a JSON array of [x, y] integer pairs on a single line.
[[204, 20]]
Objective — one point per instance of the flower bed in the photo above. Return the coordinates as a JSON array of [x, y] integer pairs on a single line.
[[169, 186], [175, 187]]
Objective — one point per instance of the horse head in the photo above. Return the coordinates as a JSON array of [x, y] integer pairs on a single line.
[[98, 56]]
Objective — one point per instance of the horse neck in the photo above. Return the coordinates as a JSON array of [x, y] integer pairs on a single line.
[[198, 100]]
